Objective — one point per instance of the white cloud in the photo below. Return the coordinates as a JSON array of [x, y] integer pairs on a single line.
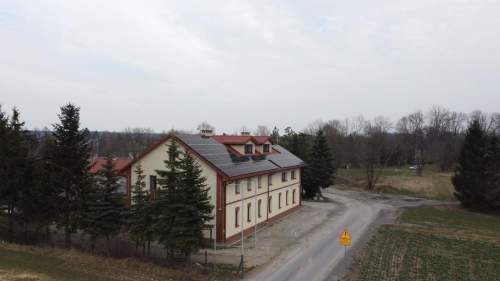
[[170, 64]]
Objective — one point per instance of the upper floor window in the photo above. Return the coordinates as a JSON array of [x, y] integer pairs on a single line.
[[248, 148], [266, 148], [293, 174], [237, 187], [249, 184], [259, 181], [284, 176], [270, 180], [152, 186]]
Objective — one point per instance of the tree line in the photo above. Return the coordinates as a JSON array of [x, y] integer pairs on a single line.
[[46, 185], [418, 139]]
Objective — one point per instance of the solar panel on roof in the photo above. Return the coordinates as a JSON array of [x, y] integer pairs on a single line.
[[232, 165]]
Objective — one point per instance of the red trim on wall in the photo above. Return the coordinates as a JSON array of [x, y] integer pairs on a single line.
[[221, 209], [237, 236], [273, 171]]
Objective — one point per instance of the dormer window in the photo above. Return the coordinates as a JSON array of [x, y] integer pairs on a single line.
[[248, 148], [266, 148]]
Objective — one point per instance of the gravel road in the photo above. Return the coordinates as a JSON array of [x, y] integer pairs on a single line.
[[320, 257]]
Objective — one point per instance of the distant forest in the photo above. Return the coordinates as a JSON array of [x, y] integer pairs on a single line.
[[433, 136]]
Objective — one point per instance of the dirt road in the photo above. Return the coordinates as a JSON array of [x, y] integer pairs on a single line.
[[320, 257]]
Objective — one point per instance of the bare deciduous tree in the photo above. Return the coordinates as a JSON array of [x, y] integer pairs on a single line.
[[262, 130]]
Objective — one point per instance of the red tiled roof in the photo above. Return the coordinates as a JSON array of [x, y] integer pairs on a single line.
[[97, 164], [241, 139], [261, 139]]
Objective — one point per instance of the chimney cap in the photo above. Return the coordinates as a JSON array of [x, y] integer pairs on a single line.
[[207, 132]]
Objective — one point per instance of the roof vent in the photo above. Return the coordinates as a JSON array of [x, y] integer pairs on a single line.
[[206, 133]]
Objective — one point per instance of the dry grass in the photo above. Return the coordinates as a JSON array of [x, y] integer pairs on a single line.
[[44, 264], [432, 184]]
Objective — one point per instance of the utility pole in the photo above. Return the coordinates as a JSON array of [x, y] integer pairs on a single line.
[[242, 260], [215, 224], [255, 213]]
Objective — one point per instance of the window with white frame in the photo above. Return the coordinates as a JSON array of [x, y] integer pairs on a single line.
[[266, 148], [249, 211], [248, 148], [237, 217], [259, 205], [237, 187]]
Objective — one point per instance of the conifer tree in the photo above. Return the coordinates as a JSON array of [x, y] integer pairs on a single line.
[[321, 170], [471, 175], [70, 164], [167, 200], [6, 207], [105, 209], [493, 174], [139, 219], [15, 168], [195, 211]]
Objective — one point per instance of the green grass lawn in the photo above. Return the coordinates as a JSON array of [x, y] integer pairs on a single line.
[[433, 243], [28, 263]]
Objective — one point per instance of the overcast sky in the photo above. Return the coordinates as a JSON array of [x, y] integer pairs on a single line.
[[172, 64]]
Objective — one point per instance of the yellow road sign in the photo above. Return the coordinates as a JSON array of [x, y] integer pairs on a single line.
[[345, 238]]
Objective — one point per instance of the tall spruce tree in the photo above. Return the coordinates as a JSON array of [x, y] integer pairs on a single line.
[[70, 164], [195, 211], [6, 195], [140, 219], [493, 173], [105, 209], [23, 175], [168, 198], [471, 175], [16, 168], [321, 169]]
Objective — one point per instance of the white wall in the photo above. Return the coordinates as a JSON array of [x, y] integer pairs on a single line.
[[233, 200], [154, 161]]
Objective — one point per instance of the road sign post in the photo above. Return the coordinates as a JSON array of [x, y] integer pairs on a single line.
[[345, 240]]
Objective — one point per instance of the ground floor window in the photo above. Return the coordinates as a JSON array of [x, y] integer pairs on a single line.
[[259, 204], [269, 204], [286, 198], [279, 200], [249, 210], [236, 217], [293, 196]]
